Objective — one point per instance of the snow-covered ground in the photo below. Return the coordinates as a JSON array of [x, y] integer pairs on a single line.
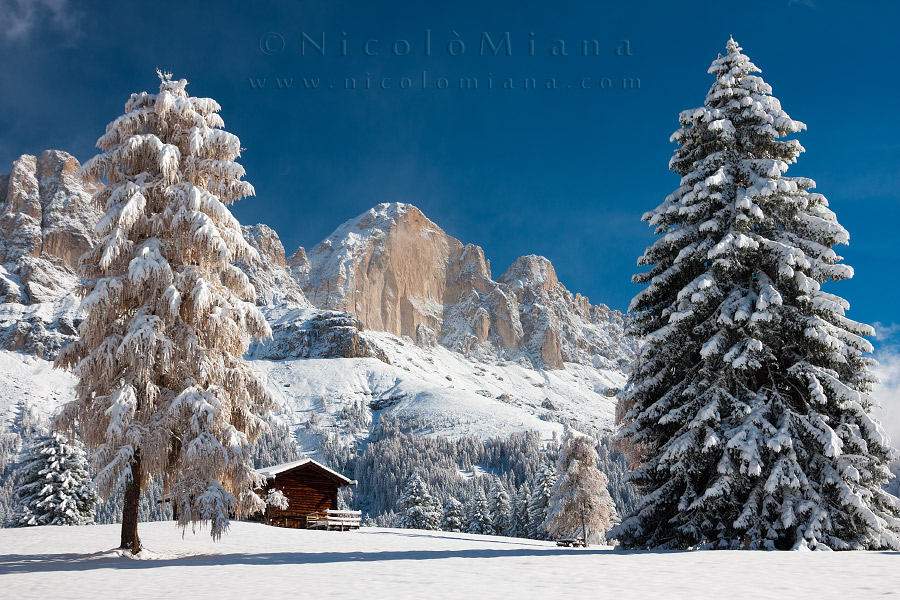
[[263, 562]]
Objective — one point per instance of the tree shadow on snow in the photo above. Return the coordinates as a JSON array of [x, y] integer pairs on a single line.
[[37, 563]]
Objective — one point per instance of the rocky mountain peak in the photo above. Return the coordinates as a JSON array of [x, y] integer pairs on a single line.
[[397, 271], [530, 272]]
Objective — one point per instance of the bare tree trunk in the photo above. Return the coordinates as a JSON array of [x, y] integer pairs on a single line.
[[130, 539]]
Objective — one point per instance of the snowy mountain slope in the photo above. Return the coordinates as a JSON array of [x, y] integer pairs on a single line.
[[34, 381], [255, 560], [455, 395], [270, 276]]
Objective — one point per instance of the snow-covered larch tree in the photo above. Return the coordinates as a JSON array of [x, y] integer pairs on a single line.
[[55, 487], [163, 389], [580, 500], [751, 399], [416, 507]]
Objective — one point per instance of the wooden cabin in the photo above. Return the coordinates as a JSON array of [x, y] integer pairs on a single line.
[[311, 489]]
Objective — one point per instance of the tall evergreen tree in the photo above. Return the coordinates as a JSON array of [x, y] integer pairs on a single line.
[[417, 508], [163, 389], [55, 487], [751, 398], [539, 502]]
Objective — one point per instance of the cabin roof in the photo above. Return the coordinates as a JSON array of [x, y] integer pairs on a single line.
[[275, 470]]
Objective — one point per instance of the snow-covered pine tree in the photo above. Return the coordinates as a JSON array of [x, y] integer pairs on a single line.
[[163, 389], [520, 512], [417, 508], [500, 508], [539, 502], [580, 500], [478, 516], [751, 397], [55, 487], [452, 515]]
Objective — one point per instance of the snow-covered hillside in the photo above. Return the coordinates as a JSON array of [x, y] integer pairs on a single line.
[[32, 381], [254, 560], [456, 395]]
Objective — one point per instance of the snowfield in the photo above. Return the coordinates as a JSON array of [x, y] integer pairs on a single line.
[[255, 560], [32, 380]]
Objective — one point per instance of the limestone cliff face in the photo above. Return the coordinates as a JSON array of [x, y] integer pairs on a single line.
[[46, 223], [396, 271], [393, 269]]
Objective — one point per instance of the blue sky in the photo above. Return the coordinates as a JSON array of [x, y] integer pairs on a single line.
[[565, 172]]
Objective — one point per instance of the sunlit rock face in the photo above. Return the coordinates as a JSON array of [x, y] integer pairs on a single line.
[[397, 271]]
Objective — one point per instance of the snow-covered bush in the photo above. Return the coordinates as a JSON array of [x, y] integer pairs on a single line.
[[277, 499]]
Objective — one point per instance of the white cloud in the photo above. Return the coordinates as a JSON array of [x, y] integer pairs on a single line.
[[21, 18], [888, 391]]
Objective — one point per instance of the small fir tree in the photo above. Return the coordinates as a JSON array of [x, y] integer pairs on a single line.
[[417, 508], [500, 507], [751, 399], [452, 515], [580, 500], [478, 517], [55, 486], [520, 512], [539, 502]]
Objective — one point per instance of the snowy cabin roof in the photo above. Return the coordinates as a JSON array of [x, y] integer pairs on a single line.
[[274, 471]]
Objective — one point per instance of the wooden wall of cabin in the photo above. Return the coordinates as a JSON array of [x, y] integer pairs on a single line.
[[307, 492]]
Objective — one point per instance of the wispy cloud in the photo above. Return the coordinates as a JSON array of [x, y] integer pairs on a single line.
[[887, 333], [22, 18]]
